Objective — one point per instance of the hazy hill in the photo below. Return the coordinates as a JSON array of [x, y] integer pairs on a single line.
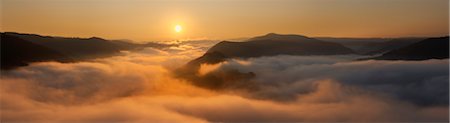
[[373, 46], [270, 45], [431, 48], [276, 44], [75, 47], [267, 45], [383, 47], [20, 49], [18, 52], [356, 44]]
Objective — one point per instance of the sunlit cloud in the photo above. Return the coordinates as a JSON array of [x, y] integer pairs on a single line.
[[140, 87]]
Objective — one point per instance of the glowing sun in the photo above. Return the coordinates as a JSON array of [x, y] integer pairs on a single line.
[[178, 28]]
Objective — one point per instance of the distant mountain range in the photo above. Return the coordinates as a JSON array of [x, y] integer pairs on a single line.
[[431, 48], [373, 46], [270, 45], [18, 52], [267, 45], [277, 44], [20, 49]]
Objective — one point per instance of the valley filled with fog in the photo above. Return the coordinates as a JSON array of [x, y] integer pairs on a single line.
[[142, 85]]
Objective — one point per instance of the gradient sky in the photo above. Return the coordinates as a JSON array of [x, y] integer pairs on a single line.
[[154, 20]]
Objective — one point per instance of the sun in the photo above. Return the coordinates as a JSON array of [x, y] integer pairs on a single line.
[[178, 28]]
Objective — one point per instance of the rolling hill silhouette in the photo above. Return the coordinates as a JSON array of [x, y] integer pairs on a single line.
[[386, 46], [431, 48], [373, 46], [20, 49], [80, 48], [18, 52], [276, 44], [268, 45]]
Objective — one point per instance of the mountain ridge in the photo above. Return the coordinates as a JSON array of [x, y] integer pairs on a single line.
[[267, 45], [60, 48], [431, 48]]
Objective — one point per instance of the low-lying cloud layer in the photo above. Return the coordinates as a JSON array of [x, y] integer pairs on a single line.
[[420, 82], [139, 87]]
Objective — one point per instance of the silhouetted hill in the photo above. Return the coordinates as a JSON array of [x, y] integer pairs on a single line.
[[217, 79], [209, 58], [383, 47], [80, 48], [373, 46], [20, 49], [276, 44], [267, 45], [18, 52], [431, 48], [280, 37], [356, 44]]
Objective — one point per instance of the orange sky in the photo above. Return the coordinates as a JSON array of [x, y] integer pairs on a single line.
[[154, 20]]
